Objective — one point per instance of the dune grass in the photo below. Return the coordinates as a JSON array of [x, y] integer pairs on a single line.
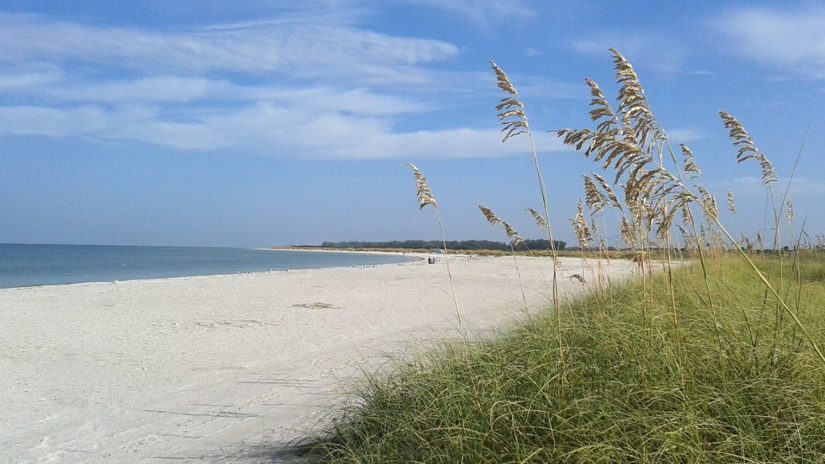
[[755, 394], [714, 361]]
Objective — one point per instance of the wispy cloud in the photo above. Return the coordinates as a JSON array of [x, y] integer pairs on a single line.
[[26, 79], [300, 86], [778, 37], [293, 50], [174, 90], [51, 122], [482, 13], [264, 130]]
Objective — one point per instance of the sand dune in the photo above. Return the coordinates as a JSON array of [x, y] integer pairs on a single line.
[[226, 368]]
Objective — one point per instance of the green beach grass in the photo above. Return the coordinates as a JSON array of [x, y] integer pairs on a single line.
[[711, 355], [749, 390]]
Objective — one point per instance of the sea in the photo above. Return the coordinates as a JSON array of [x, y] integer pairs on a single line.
[[30, 265]]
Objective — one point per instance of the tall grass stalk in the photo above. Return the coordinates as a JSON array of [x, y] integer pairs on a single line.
[[514, 122], [426, 198], [512, 237], [691, 168], [761, 276]]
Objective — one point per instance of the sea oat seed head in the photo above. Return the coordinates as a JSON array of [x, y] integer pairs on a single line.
[[731, 203], [595, 200], [511, 113], [580, 227], [746, 149], [614, 201], [690, 167], [789, 211], [709, 202], [537, 217], [627, 234], [512, 234], [489, 215], [425, 194]]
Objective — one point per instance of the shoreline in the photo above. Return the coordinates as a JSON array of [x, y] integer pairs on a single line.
[[344, 250], [194, 276], [209, 367]]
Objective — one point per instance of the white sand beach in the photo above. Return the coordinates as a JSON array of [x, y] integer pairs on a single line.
[[228, 369]]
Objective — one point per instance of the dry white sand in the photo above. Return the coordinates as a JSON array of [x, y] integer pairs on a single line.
[[226, 368]]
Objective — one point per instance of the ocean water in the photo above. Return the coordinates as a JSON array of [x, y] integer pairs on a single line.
[[28, 265]]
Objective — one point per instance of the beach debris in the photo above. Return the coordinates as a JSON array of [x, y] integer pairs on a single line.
[[314, 306]]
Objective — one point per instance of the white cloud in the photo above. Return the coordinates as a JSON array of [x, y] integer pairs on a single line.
[[146, 89], [778, 37], [269, 131], [291, 88], [51, 122], [483, 13], [358, 101], [294, 50], [176, 90], [24, 80]]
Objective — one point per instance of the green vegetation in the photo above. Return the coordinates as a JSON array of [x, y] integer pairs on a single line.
[[749, 390], [714, 360], [451, 244]]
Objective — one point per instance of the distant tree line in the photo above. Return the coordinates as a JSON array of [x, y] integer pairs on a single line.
[[451, 244]]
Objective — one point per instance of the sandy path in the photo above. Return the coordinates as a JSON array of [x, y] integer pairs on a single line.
[[223, 368]]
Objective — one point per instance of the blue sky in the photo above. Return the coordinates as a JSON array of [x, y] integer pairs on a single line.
[[254, 123]]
